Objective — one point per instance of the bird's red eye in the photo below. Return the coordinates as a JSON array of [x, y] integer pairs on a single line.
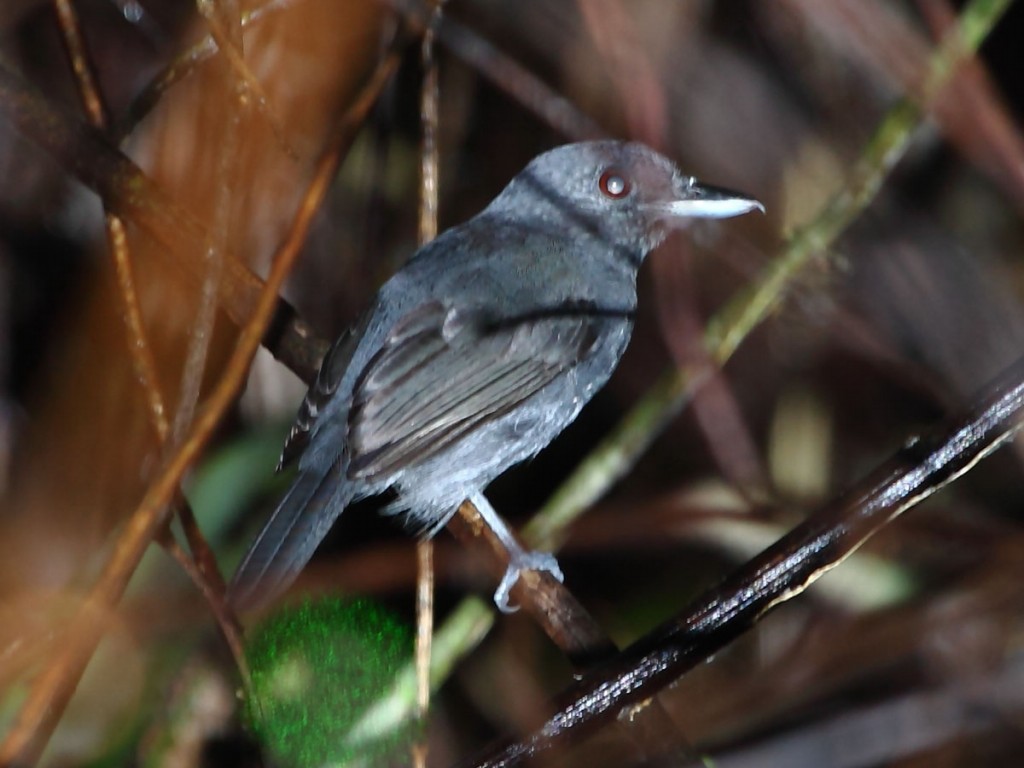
[[614, 184]]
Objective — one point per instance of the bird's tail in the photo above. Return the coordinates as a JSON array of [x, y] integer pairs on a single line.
[[288, 540]]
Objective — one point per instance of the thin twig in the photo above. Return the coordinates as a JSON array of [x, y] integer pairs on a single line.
[[429, 118], [223, 18], [509, 75], [227, 34], [92, 101], [424, 642], [183, 66], [429, 188], [203, 572], [81, 63]]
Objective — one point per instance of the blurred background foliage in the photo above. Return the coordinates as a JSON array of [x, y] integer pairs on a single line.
[[906, 654]]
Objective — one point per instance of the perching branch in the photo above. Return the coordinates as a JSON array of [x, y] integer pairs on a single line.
[[781, 572]]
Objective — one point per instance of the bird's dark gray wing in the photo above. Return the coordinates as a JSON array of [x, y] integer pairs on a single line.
[[332, 369], [444, 372]]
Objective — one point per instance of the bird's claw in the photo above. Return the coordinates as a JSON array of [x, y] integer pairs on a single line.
[[519, 562]]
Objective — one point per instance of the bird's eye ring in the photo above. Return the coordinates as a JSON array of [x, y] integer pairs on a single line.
[[614, 184]]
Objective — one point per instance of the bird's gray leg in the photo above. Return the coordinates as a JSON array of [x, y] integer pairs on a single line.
[[519, 559]]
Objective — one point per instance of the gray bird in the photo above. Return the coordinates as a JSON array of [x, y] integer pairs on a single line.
[[478, 352]]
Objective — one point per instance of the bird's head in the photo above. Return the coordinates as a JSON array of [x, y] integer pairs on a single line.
[[623, 192]]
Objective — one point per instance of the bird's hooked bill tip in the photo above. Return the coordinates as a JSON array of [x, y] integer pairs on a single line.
[[707, 202]]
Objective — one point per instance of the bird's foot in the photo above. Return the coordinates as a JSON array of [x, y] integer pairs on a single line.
[[523, 561]]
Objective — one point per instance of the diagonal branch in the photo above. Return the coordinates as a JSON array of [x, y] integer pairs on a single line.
[[781, 572]]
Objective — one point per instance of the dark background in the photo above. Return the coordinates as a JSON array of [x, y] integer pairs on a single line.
[[906, 655]]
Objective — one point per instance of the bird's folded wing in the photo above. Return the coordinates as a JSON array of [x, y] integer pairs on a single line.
[[443, 373], [332, 369]]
